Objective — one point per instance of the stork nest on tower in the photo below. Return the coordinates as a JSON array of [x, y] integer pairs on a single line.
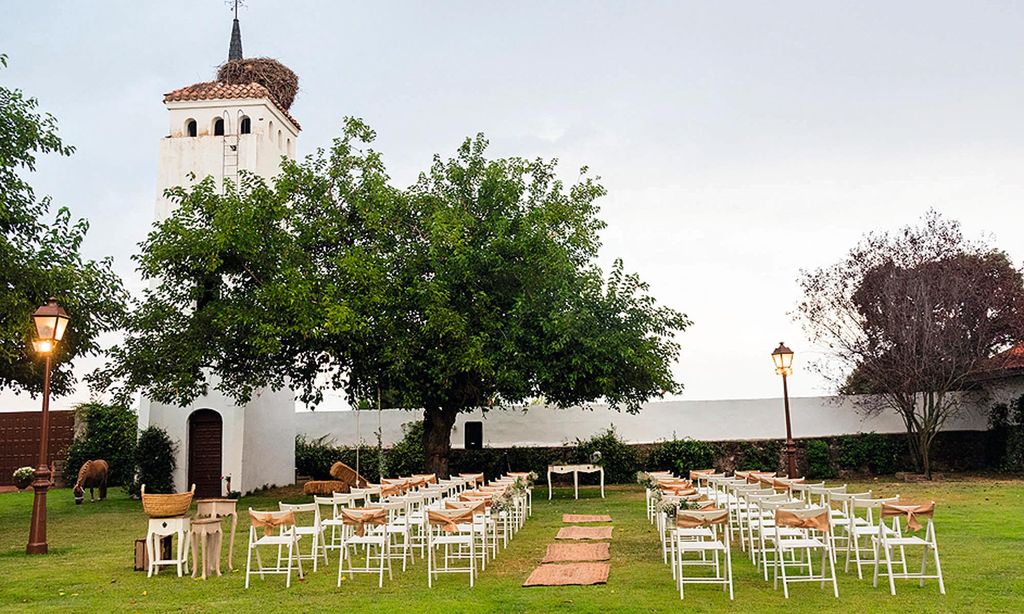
[[280, 81]]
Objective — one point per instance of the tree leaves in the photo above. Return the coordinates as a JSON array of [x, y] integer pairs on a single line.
[[39, 259]]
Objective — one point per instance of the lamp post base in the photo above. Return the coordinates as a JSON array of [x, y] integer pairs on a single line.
[[37, 534]]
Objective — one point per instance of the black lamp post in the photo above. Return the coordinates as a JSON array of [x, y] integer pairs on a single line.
[[50, 321], [783, 359]]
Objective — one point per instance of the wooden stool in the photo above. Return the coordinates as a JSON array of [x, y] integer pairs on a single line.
[[206, 531], [167, 527], [219, 508]]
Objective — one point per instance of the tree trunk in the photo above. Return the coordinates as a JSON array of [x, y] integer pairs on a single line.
[[437, 442]]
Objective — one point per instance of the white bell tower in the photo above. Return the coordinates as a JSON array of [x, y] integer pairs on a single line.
[[218, 128]]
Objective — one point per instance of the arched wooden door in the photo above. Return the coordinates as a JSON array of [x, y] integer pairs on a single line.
[[205, 451]]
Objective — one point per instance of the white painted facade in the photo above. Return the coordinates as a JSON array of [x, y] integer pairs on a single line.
[[745, 419], [258, 437]]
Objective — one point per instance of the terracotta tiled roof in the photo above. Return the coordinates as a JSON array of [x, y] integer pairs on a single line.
[[217, 90], [1010, 360]]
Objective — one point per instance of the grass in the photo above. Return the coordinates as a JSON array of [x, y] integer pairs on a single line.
[[89, 568]]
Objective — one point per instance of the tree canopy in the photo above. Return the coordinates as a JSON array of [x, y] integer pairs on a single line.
[[41, 257], [476, 287], [909, 316]]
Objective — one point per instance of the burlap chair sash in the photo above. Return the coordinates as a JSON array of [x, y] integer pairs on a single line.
[[269, 521], [475, 495], [450, 519], [477, 506], [359, 517], [816, 519], [911, 510], [694, 519], [429, 478], [681, 492], [695, 474], [472, 478]]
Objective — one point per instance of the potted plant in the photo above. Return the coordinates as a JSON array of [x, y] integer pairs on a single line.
[[23, 477]]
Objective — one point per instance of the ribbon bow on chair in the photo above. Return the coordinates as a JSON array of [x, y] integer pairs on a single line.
[[360, 517], [803, 519], [910, 510], [688, 519], [449, 520], [271, 520]]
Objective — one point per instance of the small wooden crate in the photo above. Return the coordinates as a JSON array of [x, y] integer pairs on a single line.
[[142, 559]]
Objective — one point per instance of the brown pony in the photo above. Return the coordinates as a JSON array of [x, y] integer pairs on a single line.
[[93, 474]]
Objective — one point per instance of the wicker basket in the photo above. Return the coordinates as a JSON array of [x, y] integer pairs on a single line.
[[167, 506]]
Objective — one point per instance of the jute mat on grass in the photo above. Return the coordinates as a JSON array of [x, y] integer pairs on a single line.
[[562, 553], [584, 533], [564, 575], [569, 518]]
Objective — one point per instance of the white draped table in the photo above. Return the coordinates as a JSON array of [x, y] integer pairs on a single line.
[[575, 470]]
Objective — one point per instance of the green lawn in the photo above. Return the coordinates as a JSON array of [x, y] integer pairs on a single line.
[[980, 528]]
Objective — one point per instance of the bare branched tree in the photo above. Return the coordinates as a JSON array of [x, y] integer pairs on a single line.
[[907, 317]]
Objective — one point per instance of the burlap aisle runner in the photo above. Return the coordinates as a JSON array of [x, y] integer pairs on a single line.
[[565, 553], [571, 574], [575, 518], [584, 533]]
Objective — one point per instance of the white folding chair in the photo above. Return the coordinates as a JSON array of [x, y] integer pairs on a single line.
[[286, 537], [794, 553], [357, 522], [886, 541], [702, 532], [314, 530], [448, 529], [863, 529]]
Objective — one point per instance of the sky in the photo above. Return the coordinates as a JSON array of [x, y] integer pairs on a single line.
[[739, 142]]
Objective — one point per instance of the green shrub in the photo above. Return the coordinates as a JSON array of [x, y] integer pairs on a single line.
[[314, 457], [406, 457], [154, 461], [759, 456], [110, 433], [819, 463], [869, 452], [620, 460], [1006, 425], [682, 456]]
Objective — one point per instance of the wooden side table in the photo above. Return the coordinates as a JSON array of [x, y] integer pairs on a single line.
[[219, 508], [575, 470], [206, 531], [167, 527]]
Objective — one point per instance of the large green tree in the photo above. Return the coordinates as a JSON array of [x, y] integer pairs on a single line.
[[40, 255], [474, 288]]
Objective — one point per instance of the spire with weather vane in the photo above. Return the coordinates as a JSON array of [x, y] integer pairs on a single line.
[[235, 48]]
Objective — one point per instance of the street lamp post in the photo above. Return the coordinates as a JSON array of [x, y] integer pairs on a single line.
[[783, 359], [50, 322]]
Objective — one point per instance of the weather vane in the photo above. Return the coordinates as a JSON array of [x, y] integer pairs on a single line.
[[235, 4]]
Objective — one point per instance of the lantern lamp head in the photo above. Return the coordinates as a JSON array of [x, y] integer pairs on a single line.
[[50, 321], [783, 359]]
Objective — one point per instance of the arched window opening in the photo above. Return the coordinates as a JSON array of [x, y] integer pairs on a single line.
[[191, 129], [289, 149], [280, 139], [218, 127], [245, 126]]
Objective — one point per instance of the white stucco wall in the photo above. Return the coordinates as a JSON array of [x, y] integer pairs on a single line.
[[268, 454], [707, 420]]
